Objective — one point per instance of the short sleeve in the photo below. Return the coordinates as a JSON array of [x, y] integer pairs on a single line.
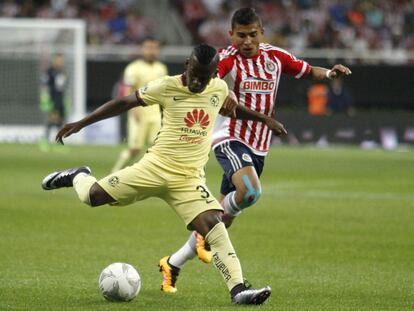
[[293, 66], [153, 92], [226, 62]]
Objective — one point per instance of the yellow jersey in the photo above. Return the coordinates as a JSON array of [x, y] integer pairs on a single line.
[[183, 144], [139, 73]]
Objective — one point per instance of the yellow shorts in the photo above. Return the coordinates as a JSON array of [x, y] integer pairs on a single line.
[[142, 133], [187, 195]]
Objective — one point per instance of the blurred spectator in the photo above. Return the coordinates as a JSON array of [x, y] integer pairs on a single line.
[[117, 26], [97, 28], [355, 16], [108, 22], [340, 98], [9, 9], [360, 46], [214, 30], [358, 25], [213, 6], [194, 13], [374, 17], [317, 99], [138, 28], [338, 12], [28, 9], [326, 100]]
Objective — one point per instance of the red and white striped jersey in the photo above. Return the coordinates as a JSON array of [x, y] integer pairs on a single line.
[[255, 82]]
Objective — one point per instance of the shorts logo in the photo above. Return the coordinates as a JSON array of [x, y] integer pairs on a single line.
[[197, 117], [214, 100], [113, 181], [246, 157]]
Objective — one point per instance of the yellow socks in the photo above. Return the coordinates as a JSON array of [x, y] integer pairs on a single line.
[[224, 256]]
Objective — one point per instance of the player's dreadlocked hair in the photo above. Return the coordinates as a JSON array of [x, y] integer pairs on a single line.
[[204, 53], [245, 16]]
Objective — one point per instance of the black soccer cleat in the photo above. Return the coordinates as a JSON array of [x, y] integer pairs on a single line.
[[251, 296], [64, 178]]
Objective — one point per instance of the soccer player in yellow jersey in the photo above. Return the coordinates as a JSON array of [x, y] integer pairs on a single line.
[[143, 122], [172, 169]]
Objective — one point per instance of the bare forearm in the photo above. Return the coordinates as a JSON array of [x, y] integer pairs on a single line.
[[244, 113], [318, 73], [247, 114], [110, 109]]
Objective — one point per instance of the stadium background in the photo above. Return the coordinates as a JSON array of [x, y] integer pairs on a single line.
[[374, 38], [334, 226]]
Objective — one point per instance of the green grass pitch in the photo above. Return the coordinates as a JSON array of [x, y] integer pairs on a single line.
[[333, 230]]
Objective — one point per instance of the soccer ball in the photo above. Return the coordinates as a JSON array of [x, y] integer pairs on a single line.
[[119, 282]]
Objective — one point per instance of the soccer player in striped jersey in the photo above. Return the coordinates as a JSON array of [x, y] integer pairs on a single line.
[[252, 69]]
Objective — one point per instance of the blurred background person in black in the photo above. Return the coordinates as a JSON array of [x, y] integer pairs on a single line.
[[55, 82], [340, 98]]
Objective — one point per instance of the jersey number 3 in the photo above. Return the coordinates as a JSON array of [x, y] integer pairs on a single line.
[[204, 193]]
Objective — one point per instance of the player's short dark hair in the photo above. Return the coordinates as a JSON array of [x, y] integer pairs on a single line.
[[245, 16], [204, 53]]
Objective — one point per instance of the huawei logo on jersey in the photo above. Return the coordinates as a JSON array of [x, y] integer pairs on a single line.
[[256, 85], [197, 116]]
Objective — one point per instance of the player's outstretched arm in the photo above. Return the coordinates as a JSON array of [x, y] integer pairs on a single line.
[[338, 70], [110, 109]]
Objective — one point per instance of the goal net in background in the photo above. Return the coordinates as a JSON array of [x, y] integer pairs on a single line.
[[27, 47]]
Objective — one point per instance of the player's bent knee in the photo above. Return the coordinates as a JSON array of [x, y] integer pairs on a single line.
[[205, 221], [252, 194], [97, 196], [250, 198]]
